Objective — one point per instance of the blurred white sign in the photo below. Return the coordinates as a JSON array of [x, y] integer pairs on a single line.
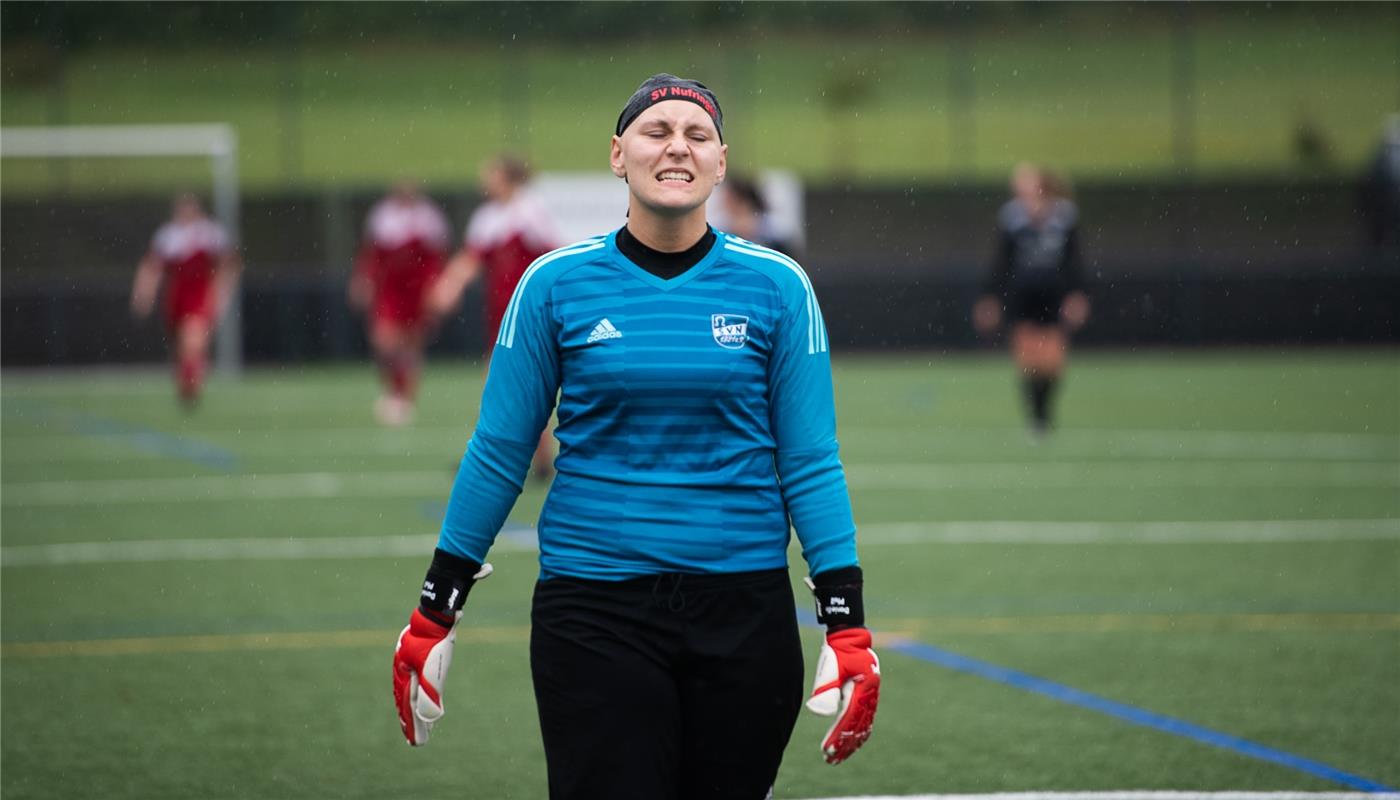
[[586, 204]]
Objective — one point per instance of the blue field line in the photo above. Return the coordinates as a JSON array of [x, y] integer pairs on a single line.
[[141, 438], [160, 443], [1133, 714], [1127, 713]]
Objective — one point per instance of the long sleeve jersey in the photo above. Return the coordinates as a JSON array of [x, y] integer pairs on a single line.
[[1035, 256], [696, 420]]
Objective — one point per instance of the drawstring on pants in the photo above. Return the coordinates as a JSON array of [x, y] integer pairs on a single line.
[[675, 600]]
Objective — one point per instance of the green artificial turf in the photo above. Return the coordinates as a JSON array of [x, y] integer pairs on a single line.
[[1272, 612]]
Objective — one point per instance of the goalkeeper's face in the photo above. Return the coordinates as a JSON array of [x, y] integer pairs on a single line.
[[672, 157]]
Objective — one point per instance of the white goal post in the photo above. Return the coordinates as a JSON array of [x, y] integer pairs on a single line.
[[218, 143]]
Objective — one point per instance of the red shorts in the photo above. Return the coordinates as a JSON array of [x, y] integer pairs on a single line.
[[403, 300], [183, 306], [405, 313]]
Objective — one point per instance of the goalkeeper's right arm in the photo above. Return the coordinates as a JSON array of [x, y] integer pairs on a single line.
[[424, 649]]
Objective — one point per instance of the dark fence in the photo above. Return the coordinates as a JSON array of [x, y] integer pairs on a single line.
[[1201, 264]]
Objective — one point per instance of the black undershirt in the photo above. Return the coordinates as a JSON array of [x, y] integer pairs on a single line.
[[664, 265]]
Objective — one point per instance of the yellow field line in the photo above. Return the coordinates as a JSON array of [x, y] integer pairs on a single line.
[[888, 627], [221, 643], [1146, 623]]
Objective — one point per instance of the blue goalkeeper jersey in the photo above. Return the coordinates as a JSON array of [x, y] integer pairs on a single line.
[[695, 418]]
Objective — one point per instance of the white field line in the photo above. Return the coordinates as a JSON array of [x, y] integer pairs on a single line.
[[1144, 475], [300, 435], [89, 380], [1135, 795], [62, 383], [1099, 444], [1149, 443], [1123, 475], [282, 549], [114, 448], [1203, 532], [223, 488], [903, 533]]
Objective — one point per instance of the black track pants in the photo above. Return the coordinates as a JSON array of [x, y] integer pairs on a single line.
[[670, 687]]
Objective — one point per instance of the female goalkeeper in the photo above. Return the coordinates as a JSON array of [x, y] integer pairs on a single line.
[[695, 425]]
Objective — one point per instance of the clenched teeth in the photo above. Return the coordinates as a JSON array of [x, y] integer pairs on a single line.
[[675, 176]]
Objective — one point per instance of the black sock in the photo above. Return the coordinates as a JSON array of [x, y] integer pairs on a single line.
[[1040, 389]]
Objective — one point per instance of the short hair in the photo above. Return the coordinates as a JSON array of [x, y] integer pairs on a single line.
[[1056, 184], [746, 190], [516, 169]]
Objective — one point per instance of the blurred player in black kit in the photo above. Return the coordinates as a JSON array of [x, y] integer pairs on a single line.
[[1380, 190], [1035, 282]]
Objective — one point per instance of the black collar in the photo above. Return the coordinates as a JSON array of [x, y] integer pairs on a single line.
[[664, 265]]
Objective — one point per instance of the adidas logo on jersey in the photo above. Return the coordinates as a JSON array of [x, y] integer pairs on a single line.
[[604, 330]]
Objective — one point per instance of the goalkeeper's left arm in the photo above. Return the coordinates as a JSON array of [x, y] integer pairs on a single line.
[[803, 418], [847, 683]]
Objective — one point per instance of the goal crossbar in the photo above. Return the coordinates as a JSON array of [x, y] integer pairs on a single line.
[[214, 141]]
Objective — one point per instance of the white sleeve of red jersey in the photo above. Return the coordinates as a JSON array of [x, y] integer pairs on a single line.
[[480, 229], [537, 225], [160, 240], [372, 222], [438, 233]]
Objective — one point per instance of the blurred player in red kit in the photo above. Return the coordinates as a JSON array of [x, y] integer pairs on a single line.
[[401, 257], [193, 252], [505, 234]]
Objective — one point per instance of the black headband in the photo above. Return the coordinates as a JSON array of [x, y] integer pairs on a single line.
[[662, 87]]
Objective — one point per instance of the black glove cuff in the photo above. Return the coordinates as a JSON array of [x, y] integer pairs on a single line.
[[446, 585], [840, 598]]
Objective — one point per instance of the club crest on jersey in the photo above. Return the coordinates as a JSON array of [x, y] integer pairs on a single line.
[[731, 331]]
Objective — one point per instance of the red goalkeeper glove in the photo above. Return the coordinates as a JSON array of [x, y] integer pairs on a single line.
[[424, 649], [847, 685], [847, 682], [421, 659]]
